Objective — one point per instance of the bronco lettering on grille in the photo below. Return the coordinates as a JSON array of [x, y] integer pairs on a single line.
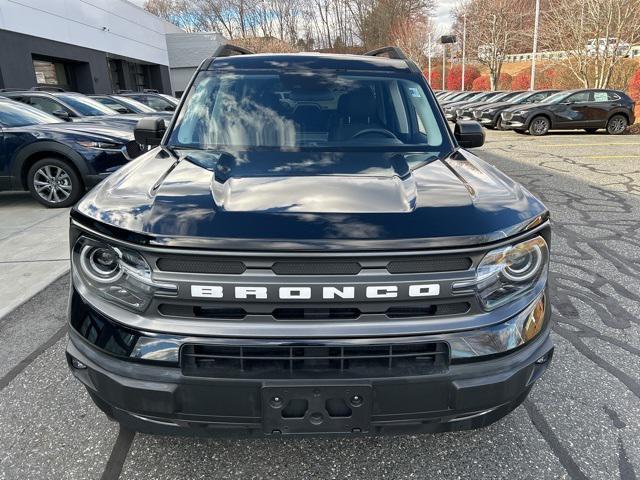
[[308, 293]]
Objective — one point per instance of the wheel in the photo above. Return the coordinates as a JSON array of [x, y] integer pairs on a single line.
[[520, 131], [54, 183], [539, 126], [591, 130], [617, 125], [499, 123]]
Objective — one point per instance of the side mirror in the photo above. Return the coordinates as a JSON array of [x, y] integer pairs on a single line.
[[62, 115], [170, 108], [121, 109], [149, 131], [469, 134]]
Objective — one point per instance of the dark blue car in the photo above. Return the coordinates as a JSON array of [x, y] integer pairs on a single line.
[[57, 161]]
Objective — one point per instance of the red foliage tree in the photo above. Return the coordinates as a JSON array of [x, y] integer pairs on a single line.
[[521, 80], [546, 78], [481, 83], [504, 82], [454, 77], [436, 78], [634, 86]]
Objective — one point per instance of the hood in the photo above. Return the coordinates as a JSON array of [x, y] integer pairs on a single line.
[[121, 132], [497, 105], [526, 106], [315, 201]]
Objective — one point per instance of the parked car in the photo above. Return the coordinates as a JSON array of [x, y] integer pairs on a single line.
[[451, 107], [122, 104], [157, 101], [489, 115], [589, 110], [57, 161], [463, 111], [459, 97], [67, 106], [309, 251]]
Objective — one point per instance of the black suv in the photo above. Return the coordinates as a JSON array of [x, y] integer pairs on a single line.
[[309, 250], [589, 110]]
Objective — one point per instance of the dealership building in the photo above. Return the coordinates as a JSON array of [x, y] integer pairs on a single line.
[[89, 46]]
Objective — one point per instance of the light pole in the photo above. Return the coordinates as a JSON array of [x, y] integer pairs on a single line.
[[429, 58], [535, 47], [444, 40], [464, 44]]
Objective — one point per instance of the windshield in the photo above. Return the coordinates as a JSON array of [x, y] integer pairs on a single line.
[[307, 110], [520, 97], [156, 102], [19, 115], [134, 105], [556, 97], [86, 106]]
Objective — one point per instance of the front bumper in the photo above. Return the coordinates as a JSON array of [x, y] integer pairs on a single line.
[[513, 122], [162, 400]]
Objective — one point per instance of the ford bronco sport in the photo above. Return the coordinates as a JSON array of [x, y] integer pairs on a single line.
[[308, 249]]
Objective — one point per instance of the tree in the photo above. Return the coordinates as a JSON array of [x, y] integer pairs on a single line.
[[482, 83], [494, 29], [521, 80], [594, 34], [634, 86], [436, 78], [454, 77]]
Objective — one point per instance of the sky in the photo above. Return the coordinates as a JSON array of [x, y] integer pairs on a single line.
[[443, 11]]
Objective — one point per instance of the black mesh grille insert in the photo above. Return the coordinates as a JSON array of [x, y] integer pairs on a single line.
[[316, 268], [200, 265], [427, 264], [429, 310], [218, 361], [316, 313]]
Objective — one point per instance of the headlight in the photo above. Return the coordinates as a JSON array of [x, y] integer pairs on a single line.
[[501, 337], [507, 273], [101, 145], [116, 274]]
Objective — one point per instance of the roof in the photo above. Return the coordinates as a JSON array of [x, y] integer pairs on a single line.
[[310, 61]]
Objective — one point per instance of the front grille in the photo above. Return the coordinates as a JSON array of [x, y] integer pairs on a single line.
[[313, 266], [193, 264], [302, 313], [330, 361]]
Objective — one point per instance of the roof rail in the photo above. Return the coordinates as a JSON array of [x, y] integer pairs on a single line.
[[47, 89], [12, 90], [228, 50], [392, 52], [150, 90]]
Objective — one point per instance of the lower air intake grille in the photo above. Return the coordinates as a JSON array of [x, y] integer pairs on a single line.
[[362, 361]]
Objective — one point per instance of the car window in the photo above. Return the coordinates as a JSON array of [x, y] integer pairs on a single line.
[[46, 104], [579, 97], [87, 106], [612, 96], [159, 104], [13, 114], [289, 110], [109, 102], [136, 106], [600, 96]]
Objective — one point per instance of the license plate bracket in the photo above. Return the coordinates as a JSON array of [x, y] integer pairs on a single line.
[[316, 409]]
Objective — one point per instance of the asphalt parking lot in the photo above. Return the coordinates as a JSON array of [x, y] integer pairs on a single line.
[[582, 420]]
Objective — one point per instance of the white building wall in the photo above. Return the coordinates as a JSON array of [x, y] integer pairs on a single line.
[[113, 26]]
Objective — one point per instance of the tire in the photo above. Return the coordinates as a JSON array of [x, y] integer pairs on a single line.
[[539, 126], [499, 123], [591, 130], [54, 183], [617, 125]]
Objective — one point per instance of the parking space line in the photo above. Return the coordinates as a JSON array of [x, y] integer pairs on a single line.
[[610, 156], [25, 362], [121, 448], [611, 144]]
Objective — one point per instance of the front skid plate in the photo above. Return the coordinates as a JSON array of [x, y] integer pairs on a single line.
[[316, 409]]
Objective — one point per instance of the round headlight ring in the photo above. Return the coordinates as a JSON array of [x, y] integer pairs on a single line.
[[529, 269], [95, 264]]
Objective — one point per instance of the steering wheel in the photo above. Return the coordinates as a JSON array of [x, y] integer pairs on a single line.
[[381, 131]]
